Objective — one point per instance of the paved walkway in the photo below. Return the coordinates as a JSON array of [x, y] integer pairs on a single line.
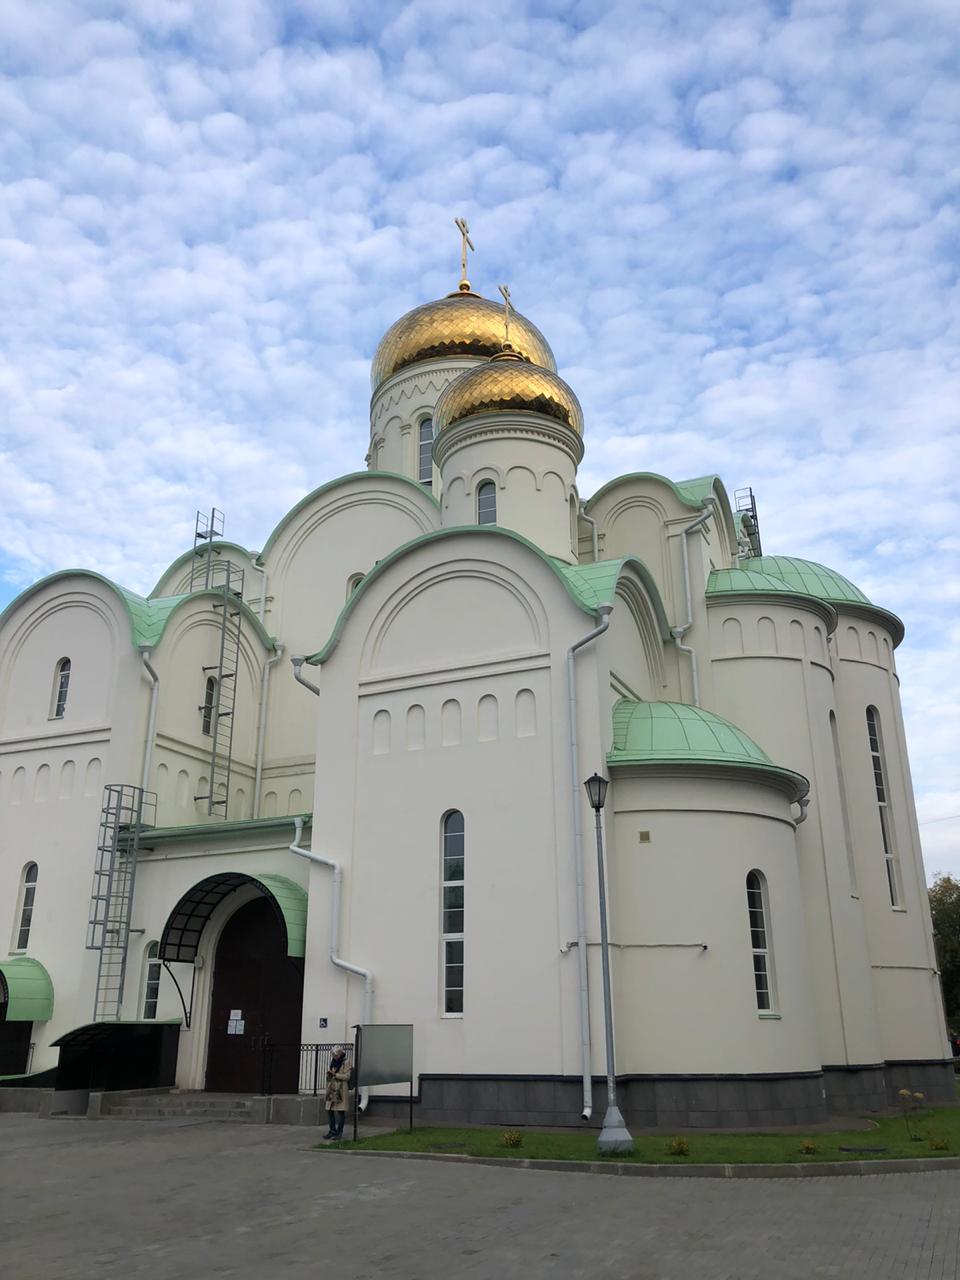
[[180, 1200]]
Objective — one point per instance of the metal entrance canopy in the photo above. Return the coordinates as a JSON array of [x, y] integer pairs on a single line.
[[26, 992], [188, 919]]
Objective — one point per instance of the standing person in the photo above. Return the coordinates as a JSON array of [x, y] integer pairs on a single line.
[[335, 1098]]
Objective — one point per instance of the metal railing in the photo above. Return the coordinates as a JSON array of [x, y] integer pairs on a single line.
[[304, 1063]]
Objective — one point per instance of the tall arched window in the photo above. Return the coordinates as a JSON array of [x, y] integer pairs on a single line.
[[758, 909], [891, 860], [208, 705], [151, 981], [452, 913], [487, 503], [28, 893], [61, 684], [426, 452]]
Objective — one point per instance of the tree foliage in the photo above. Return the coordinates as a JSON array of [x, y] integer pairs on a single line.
[[945, 910]]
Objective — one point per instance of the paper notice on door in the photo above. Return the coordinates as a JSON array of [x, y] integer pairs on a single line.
[[235, 1026], [236, 1015]]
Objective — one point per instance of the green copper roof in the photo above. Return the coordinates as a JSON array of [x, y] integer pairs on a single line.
[[690, 492], [218, 544], [673, 732], [26, 990], [810, 578], [737, 581], [148, 618], [291, 898], [696, 490]]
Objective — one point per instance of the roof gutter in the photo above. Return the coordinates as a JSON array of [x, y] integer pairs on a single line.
[[335, 958], [586, 1057]]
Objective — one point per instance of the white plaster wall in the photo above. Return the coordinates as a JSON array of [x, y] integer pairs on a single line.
[[341, 531], [397, 409], [902, 958], [531, 460], [449, 627], [52, 774], [680, 1008], [779, 688]]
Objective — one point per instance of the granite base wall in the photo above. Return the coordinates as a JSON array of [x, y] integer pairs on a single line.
[[851, 1090], [935, 1080], [668, 1102]]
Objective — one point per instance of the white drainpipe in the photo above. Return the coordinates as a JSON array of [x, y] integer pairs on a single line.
[[262, 725], [576, 786], [151, 719], [679, 632], [296, 661], [594, 536], [336, 959]]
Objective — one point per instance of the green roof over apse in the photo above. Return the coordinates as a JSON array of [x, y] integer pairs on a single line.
[[739, 581], [595, 583], [26, 990], [676, 733], [809, 577]]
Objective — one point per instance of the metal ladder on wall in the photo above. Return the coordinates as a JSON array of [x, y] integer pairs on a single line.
[[226, 578], [746, 507], [126, 810], [206, 530]]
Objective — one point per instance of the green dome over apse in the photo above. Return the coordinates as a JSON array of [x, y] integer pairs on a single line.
[[739, 581], [810, 578], [673, 732]]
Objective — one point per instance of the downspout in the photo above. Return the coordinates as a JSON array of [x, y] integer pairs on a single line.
[[802, 803], [594, 535], [262, 724], [679, 632], [336, 959], [604, 611], [297, 660], [263, 589], [151, 719]]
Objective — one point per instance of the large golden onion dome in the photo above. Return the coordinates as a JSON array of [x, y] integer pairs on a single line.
[[508, 383], [461, 324]]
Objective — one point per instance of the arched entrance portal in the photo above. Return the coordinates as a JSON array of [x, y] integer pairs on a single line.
[[254, 978], [255, 975]]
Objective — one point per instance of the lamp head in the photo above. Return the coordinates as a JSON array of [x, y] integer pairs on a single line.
[[596, 791]]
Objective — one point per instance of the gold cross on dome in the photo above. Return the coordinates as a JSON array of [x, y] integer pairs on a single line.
[[465, 244], [507, 308]]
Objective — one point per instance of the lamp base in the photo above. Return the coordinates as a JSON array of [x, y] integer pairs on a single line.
[[615, 1137]]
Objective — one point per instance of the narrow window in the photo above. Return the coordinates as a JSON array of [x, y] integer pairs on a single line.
[[891, 861], [758, 910], [844, 809], [208, 705], [151, 982], [426, 452], [452, 913], [28, 892], [61, 683], [487, 503]]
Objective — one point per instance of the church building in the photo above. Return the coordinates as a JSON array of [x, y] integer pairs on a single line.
[[339, 781]]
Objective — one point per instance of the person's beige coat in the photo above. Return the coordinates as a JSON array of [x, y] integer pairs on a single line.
[[335, 1098]]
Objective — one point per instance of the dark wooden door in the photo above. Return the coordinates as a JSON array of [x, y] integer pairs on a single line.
[[253, 974]]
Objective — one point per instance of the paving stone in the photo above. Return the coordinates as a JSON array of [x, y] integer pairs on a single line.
[[122, 1200]]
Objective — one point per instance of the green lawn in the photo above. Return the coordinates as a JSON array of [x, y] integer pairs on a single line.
[[942, 1123]]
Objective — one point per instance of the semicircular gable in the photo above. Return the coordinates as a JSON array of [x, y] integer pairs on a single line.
[[637, 619], [453, 614]]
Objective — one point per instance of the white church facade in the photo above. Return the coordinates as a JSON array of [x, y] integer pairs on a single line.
[[203, 845]]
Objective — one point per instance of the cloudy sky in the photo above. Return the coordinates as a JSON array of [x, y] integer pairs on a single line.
[[736, 221]]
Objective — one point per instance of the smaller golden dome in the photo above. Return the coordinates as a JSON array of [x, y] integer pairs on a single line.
[[507, 383], [461, 324]]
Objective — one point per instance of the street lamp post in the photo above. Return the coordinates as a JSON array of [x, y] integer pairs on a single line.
[[614, 1136]]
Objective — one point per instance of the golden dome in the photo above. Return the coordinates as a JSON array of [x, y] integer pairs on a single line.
[[508, 383], [461, 324]]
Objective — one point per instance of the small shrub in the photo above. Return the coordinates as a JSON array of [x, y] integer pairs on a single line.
[[910, 1105], [678, 1147], [808, 1147], [512, 1138], [937, 1142]]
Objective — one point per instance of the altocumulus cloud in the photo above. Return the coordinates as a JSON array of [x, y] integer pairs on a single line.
[[732, 218]]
